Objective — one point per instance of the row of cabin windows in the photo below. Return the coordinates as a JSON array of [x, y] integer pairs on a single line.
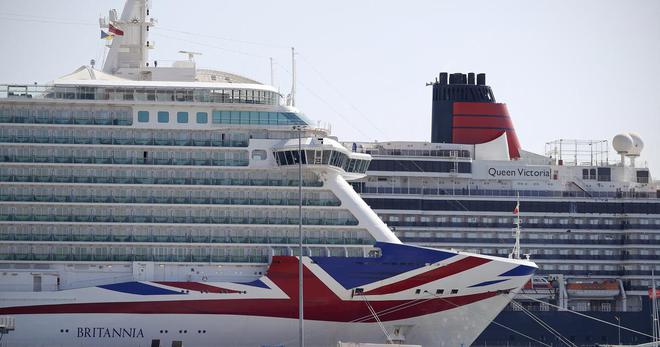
[[181, 117], [125, 175], [533, 220], [228, 117], [508, 206]]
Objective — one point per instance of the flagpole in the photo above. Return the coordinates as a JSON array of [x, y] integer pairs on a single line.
[[515, 253]]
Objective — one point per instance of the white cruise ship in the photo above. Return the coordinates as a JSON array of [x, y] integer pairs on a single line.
[[590, 217], [144, 205]]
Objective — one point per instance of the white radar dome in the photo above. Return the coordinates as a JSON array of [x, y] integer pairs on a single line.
[[638, 145], [623, 143]]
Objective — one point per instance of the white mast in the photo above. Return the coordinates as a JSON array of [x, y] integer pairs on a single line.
[[293, 76], [515, 253], [654, 307], [128, 53], [272, 73]]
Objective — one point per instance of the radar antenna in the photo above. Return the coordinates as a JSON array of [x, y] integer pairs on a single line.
[[191, 55]]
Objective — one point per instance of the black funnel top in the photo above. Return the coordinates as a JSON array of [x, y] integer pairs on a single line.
[[450, 88]]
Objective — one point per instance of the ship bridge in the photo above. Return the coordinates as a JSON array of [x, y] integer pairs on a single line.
[[322, 152]]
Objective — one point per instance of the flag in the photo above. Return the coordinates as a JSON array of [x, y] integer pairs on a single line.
[[114, 30], [517, 209], [106, 36]]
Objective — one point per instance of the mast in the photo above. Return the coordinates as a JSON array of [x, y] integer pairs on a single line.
[[515, 253], [272, 73], [128, 52], [301, 316], [293, 76], [654, 307]]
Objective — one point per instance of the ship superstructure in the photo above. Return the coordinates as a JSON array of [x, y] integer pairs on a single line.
[[590, 219], [151, 205]]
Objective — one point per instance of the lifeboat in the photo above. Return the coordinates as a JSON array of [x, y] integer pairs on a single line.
[[594, 289], [537, 288]]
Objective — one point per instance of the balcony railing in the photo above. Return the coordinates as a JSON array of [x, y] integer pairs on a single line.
[[9, 158], [109, 140], [190, 238], [160, 180], [504, 193], [166, 200], [21, 217], [142, 94]]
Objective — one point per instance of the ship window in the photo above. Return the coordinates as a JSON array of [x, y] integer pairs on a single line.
[[202, 117], [454, 291], [182, 117], [163, 117], [289, 158], [439, 291], [259, 154], [281, 157], [143, 116]]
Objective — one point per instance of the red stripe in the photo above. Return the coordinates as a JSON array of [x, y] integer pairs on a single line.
[[321, 309], [471, 112], [480, 108], [320, 302], [475, 136], [199, 287], [485, 121], [429, 276]]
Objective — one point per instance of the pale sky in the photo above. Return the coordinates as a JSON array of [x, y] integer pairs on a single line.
[[566, 69]]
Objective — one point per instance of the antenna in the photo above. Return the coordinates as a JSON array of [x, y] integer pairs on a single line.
[[272, 73], [191, 55], [293, 76]]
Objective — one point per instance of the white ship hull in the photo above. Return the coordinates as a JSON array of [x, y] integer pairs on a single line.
[[446, 300], [456, 327]]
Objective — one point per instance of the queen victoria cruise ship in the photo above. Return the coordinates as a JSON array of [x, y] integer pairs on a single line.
[[590, 218], [144, 205]]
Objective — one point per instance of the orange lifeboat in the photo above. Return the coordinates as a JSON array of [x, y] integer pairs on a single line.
[[595, 289]]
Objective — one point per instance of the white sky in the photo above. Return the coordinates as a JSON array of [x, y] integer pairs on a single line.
[[566, 69]]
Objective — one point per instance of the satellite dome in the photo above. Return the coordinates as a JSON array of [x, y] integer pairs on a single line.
[[638, 145], [623, 143]]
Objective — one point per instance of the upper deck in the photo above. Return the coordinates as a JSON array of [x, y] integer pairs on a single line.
[[146, 91]]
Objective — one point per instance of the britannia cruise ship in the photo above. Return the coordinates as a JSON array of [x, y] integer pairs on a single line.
[[144, 205]]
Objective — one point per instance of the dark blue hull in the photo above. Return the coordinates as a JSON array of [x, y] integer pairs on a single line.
[[580, 330]]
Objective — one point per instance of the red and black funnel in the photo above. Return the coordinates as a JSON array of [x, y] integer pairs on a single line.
[[465, 112]]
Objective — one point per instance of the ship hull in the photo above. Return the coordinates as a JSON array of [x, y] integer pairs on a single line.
[[455, 327], [420, 296]]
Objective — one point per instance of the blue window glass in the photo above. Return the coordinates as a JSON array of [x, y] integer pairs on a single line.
[[263, 117], [217, 117], [143, 116], [235, 117], [202, 117], [245, 117], [225, 117], [254, 117], [163, 117], [182, 117]]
